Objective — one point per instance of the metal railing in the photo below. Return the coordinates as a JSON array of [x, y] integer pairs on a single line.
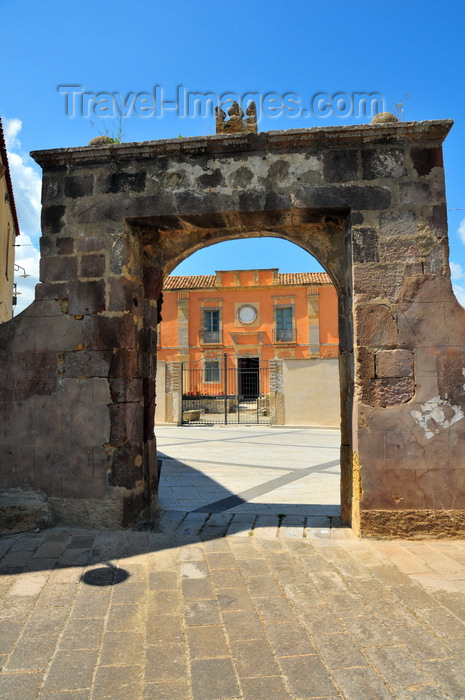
[[241, 395], [284, 335], [210, 336]]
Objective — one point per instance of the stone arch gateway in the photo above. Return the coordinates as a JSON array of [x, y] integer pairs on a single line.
[[78, 367]]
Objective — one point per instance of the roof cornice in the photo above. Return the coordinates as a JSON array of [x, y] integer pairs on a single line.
[[175, 283], [426, 132]]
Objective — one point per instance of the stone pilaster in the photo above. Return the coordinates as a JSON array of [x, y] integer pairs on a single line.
[[183, 327], [313, 321]]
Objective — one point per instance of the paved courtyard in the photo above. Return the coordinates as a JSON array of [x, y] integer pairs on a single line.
[[221, 604], [257, 470]]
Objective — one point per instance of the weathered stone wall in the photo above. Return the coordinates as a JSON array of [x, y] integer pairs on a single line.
[[78, 367]]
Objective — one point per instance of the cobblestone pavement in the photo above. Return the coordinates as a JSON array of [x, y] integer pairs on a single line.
[[208, 606]]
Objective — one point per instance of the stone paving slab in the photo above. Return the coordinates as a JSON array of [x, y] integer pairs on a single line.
[[191, 612], [256, 470]]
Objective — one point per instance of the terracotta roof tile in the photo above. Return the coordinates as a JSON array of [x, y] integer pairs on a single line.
[[208, 281], [304, 278], [189, 282]]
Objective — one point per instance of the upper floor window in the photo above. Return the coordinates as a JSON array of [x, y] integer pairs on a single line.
[[284, 323], [211, 326]]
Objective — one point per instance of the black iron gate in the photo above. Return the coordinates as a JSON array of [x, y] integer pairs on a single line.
[[216, 391]]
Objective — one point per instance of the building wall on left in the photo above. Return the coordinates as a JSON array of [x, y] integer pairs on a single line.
[[8, 232]]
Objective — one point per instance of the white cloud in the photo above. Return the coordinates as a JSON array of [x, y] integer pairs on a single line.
[[27, 256], [456, 271], [457, 274], [459, 293], [26, 181], [461, 230], [11, 129], [26, 190]]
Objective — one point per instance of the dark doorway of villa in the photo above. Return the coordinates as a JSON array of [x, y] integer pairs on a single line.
[[248, 377]]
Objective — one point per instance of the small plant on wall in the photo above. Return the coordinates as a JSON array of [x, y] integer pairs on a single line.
[[107, 134]]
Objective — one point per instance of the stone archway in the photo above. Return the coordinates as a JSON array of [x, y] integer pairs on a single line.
[[78, 366], [168, 240]]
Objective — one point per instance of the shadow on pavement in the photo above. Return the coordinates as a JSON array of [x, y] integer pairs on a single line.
[[64, 547]]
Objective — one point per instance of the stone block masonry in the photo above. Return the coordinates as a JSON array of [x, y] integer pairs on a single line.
[[78, 367]]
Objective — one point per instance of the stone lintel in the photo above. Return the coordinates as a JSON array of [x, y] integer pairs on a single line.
[[427, 132]]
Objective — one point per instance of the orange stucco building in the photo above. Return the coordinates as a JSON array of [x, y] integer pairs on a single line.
[[251, 316]]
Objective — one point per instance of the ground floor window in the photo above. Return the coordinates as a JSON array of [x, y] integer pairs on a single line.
[[211, 371]]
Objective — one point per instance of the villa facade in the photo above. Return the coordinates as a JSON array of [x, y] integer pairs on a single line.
[[233, 331]]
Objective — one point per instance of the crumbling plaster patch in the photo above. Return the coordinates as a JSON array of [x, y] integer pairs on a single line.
[[435, 415]]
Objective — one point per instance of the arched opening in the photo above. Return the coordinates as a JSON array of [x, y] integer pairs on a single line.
[[167, 241], [253, 325]]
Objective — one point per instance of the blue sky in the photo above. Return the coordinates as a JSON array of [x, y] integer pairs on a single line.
[[411, 53]]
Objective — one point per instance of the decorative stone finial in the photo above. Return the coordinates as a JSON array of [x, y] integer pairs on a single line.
[[384, 118], [237, 122]]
